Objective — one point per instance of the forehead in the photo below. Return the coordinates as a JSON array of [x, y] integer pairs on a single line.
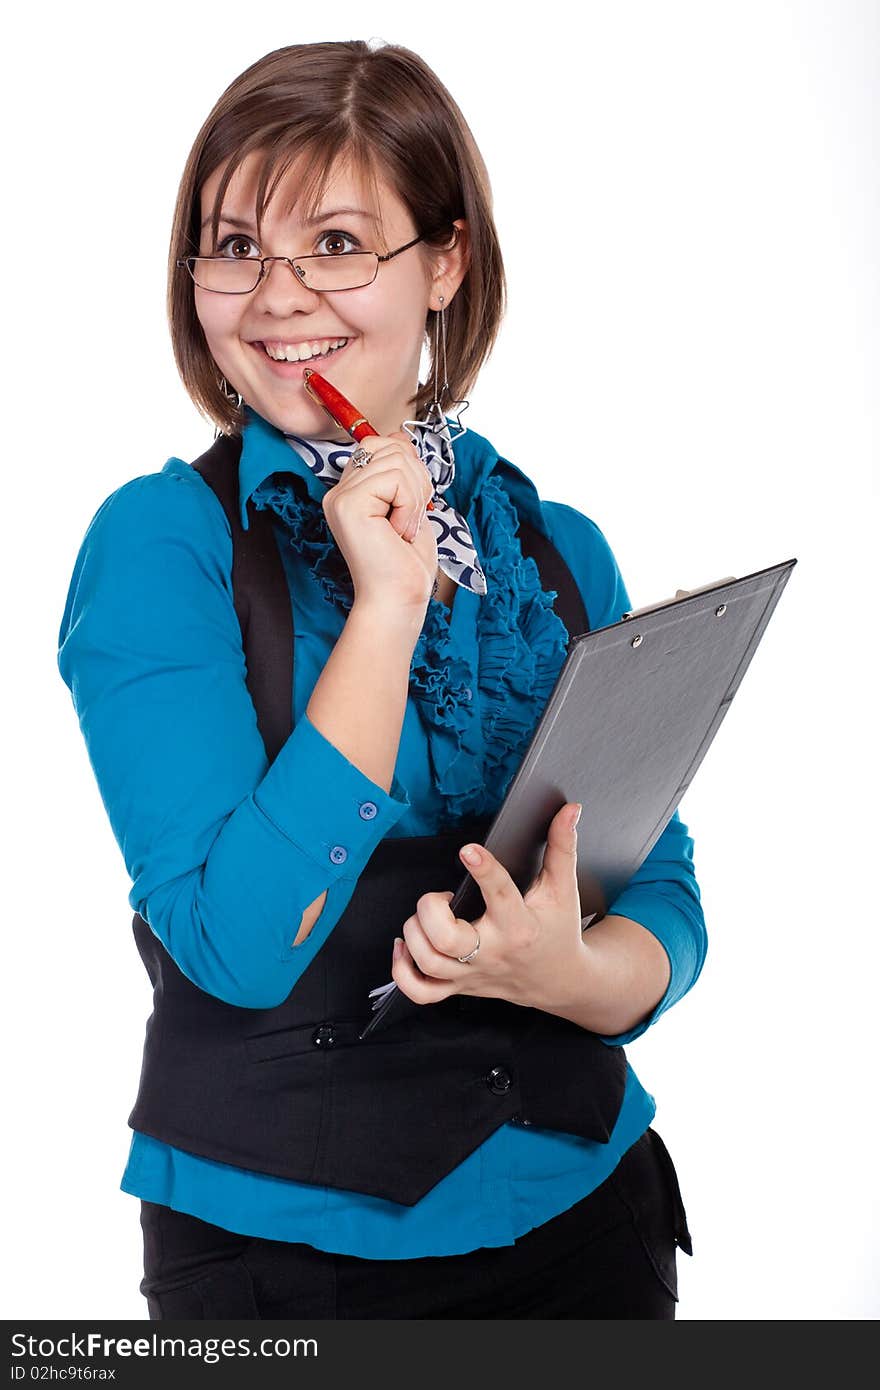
[[345, 186]]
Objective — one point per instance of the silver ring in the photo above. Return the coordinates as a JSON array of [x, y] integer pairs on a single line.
[[361, 457], [465, 960]]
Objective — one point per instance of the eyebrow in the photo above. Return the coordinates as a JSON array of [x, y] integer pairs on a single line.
[[309, 222]]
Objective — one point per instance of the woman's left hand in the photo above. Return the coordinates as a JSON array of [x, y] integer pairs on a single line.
[[529, 943]]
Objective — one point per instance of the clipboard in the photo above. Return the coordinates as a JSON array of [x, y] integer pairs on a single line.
[[630, 719]]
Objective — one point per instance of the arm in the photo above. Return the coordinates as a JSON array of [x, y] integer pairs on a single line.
[[625, 975], [646, 952], [358, 703], [228, 856]]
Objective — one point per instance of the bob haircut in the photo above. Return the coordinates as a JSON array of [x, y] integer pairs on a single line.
[[382, 111]]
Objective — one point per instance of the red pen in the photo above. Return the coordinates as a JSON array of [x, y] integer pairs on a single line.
[[347, 416]]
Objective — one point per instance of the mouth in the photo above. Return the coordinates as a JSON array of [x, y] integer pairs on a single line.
[[318, 354]]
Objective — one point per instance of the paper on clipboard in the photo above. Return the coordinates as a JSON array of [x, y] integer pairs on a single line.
[[679, 594]]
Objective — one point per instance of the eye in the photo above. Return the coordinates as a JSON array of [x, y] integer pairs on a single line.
[[334, 242], [238, 246]]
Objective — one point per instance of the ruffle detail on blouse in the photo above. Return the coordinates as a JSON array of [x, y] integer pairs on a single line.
[[308, 534], [442, 684], [523, 644]]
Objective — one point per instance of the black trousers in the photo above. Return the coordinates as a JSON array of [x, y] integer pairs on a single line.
[[611, 1255]]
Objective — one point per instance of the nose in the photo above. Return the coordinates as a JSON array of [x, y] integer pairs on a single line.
[[281, 288]]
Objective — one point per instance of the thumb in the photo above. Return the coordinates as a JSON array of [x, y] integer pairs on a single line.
[[560, 855]]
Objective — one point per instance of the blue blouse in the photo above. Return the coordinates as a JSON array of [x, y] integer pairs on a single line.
[[225, 853]]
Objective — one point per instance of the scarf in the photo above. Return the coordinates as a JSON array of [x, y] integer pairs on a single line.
[[456, 552]]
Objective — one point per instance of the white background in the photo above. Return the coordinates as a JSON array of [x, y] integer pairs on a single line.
[[687, 199]]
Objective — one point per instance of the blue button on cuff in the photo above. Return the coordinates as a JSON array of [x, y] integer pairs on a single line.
[[322, 802]]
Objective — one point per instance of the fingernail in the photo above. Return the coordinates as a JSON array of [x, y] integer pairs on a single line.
[[398, 942], [577, 815], [470, 855]]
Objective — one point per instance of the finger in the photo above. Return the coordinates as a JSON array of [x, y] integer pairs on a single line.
[[559, 868], [412, 982], [426, 482], [424, 488], [448, 935], [431, 957], [496, 885], [397, 448], [371, 444], [388, 479], [386, 446], [412, 527]]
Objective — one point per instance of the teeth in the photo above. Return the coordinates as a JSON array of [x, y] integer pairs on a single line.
[[302, 352]]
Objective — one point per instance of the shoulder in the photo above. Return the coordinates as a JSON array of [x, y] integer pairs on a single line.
[[162, 501], [588, 554], [158, 541], [157, 511], [572, 527], [155, 560]]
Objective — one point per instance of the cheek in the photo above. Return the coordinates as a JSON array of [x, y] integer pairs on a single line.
[[219, 315], [388, 311]]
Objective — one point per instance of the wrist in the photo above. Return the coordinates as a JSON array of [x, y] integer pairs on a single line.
[[575, 992], [403, 621], [616, 979]]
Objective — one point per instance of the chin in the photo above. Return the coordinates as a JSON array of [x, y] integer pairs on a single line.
[[292, 416]]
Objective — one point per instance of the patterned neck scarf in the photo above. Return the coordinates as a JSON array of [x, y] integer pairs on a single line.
[[456, 552]]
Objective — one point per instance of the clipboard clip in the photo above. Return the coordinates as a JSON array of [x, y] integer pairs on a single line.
[[678, 596]]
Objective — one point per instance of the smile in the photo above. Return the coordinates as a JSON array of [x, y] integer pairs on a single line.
[[302, 352], [290, 359]]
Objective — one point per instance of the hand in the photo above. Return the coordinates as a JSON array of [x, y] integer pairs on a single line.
[[529, 943], [391, 556]]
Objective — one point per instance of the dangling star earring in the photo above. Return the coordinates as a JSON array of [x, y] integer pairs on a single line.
[[435, 419], [235, 398]]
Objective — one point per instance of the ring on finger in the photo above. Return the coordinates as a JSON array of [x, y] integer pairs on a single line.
[[360, 458], [466, 960]]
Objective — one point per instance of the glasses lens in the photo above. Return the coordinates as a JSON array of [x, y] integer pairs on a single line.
[[239, 275], [347, 271], [226, 275]]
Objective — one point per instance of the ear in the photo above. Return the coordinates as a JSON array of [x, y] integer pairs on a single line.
[[450, 266]]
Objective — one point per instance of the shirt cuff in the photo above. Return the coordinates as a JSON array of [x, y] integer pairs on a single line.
[[679, 938], [335, 814]]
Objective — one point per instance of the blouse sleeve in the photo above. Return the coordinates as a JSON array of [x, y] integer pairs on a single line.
[[224, 851], [663, 894]]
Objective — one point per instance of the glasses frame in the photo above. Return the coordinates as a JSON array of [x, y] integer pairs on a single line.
[[185, 263]]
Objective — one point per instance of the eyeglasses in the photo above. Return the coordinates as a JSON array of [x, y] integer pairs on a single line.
[[349, 270]]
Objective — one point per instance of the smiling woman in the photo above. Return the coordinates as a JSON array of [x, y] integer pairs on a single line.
[[296, 734]]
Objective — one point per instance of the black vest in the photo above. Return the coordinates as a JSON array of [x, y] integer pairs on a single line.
[[293, 1090]]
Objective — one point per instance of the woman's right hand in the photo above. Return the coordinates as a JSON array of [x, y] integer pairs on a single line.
[[392, 564]]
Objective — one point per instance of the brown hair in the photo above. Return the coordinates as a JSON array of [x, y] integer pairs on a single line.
[[383, 110]]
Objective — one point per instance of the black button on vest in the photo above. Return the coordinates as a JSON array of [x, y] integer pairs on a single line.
[[293, 1090], [324, 1036], [499, 1081]]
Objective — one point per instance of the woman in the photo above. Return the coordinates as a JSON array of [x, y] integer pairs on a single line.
[[294, 832]]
